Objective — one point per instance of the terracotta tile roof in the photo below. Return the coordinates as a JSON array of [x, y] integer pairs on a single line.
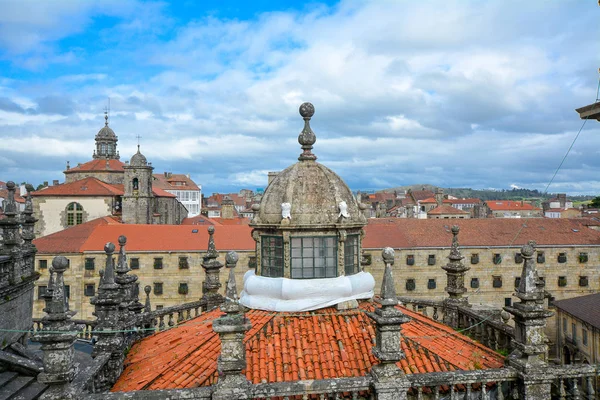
[[586, 308], [446, 209], [217, 198], [89, 186], [421, 194], [71, 239], [145, 238], [283, 347], [199, 220], [508, 205], [162, 193], [409, 233], [98, 165], [174, 182]]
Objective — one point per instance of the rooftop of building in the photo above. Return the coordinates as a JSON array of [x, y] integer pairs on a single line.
[[510, 205], [170, 181], [380, 233], [98, 165], [446, 209], [585, 308], [91, 186], [283, 347]]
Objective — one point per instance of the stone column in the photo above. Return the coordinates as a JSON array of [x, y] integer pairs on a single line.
[[232, 328], [129, 292], [108, 323], [389, 381], [455, 282], [28, 222], [11, 245], [212, 267], [57, 337], [530, 316]]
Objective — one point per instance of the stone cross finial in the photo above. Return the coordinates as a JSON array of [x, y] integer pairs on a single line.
[[455, 281], [530, 315], [57, 336], [211, 267], [307, 137], [232, 328]]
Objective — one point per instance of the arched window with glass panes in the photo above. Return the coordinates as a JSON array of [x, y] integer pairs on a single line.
[[74, 214]]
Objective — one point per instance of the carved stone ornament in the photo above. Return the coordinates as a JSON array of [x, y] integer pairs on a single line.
[[286, 209], [343, 210]]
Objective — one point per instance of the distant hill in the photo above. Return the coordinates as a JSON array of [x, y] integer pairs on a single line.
[[489, 194]]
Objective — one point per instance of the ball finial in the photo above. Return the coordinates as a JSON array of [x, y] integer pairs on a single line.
[[60, 263], [527, 251], [211, 229], [10, 185], [307, 110], [147, 289], [109, 248], [455, 229], [231, 258], [122, 240], [388, 255]]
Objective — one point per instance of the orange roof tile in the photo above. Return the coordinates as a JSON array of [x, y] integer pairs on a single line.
[[89, 186], [508, 205], [410, 233], [282, 347], [146, 238], [446, 209], [71, 239], [98, 165], [162, 193], [174, 182]]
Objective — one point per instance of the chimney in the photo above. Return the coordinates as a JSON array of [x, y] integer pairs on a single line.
[[439, 196], [54, 182], [166, 174], [272, 175], [45, 183], [68, 166], [227, 210]]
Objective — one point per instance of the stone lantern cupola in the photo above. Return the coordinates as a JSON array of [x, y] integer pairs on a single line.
[[308, 230], [106, 142]]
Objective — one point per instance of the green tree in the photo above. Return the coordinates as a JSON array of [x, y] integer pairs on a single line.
[[595, 202]]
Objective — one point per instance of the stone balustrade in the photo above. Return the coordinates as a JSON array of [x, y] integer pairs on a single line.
[[172, 316], [86, 333]]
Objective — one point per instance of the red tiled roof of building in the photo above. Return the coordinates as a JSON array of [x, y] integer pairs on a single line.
[[146, 238], [174, 182], [18, 198], [446, 209], [410, 233], [70, 240], [218, 199], [280, 347], [89, 186], [419, 195], [509, 205], [98, 165], [162, 193], [199, 220]]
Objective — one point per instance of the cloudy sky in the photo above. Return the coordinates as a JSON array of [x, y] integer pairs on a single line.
[[463, 93]]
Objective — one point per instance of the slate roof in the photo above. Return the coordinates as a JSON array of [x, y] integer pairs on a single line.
[[98, 165], [281, 347], [586, 308]]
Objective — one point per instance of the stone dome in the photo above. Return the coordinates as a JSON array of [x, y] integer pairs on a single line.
[[315, 194], [138, 159], [106, 132]]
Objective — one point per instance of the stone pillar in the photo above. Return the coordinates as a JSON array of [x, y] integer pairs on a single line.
[[455, 282], [27, 233], [212, 267], [232, 328], [11, 244], [530, 316], [389, 381], [108, 322], [130, 305], [57, 337]]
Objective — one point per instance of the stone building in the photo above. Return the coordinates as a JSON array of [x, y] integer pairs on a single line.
[[182, 186], [512, 209], [578, 329], [105, 186]]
